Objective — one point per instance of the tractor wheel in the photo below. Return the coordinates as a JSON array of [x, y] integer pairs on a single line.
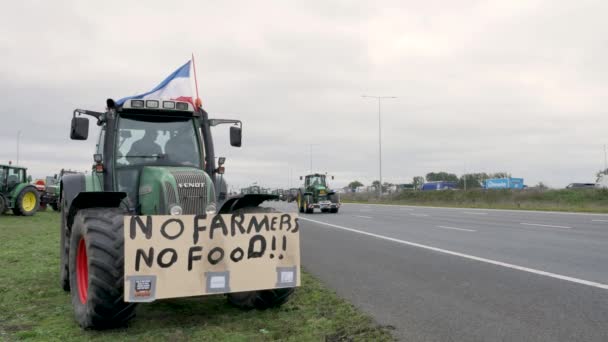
[[334, 210], [260, 299], [2, 205], [307, 201], [64, 248], [300, 203], [56, 206], [97, 269], [324, 210], [27, 202]]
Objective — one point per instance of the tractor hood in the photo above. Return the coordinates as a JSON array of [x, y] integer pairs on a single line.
[[163, 188]]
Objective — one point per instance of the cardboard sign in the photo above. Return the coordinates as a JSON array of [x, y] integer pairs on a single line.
[[193, 255]]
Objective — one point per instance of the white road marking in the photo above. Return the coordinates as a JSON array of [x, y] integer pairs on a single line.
[[599, 220], [474, 213], [367, 217], [419, 214], [454, 228], [467, 256], [486, 209], [545, 225]]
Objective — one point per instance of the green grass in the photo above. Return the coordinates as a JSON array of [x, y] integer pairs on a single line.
[[580, 200], [34, 307]]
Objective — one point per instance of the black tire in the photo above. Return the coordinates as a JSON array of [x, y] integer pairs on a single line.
[[56, 206], [101, 304], [307, 201], [300, 203], [324, 210], [2, 205], [334, 210], [260, 300], [19, 210], [64, 248]]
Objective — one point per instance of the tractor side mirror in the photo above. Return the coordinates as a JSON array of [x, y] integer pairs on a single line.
[[29, 179], [236, 136], [300, 177], [332, 177], [80, 129]]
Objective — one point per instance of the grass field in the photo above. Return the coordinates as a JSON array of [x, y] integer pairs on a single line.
[[580, 200], [34, 307]]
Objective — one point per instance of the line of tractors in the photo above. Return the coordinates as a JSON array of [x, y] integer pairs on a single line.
[[315, 193], [25, 197]]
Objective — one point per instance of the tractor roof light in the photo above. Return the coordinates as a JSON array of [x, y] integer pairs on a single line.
[[152, 104], [160, 105], [137, 103]]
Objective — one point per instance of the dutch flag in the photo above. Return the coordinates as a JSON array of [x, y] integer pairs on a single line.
[[178, 87]]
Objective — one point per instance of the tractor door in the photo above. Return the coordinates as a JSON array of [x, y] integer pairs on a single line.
[[14, 178], [3, 179]]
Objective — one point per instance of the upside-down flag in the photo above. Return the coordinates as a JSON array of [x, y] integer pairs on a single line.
[[178, 86]]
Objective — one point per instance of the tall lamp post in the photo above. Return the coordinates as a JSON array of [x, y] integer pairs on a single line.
[[379, 98], [18, 137]]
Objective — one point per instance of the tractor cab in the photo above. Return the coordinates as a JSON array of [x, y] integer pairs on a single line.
[[15, 191], [316, 181]]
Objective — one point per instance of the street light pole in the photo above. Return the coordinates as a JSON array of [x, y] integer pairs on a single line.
[[18, 136], [379, 135]]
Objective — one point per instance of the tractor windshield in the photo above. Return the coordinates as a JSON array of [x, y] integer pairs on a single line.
[[157, 141], [316, 180]]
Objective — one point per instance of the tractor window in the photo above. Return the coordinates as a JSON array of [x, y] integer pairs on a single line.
[[157, 141], [315, 180], [15, 176]]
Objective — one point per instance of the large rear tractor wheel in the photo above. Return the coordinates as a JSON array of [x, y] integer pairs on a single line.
[[3, 205], [307, 201], [97, 269], [300, 203], [28, 202], [64, 248]]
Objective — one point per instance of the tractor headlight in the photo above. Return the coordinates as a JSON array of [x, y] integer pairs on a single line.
[[176, 210], [210, 209]]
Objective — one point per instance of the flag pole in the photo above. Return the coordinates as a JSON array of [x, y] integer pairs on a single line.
[[198, 101]]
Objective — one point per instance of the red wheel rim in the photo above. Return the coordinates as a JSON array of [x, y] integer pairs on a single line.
[[82, 271]]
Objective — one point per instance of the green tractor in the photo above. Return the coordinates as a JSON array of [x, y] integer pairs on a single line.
[[16, 193], [153, 159], [316, 194], [50, 195]]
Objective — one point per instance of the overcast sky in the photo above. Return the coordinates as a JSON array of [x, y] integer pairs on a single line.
[[482, 86]]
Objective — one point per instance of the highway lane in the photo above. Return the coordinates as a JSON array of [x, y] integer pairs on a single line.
[[464, 274]]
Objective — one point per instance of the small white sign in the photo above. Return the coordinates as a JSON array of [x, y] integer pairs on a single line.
[[286, 276], [217, 282]]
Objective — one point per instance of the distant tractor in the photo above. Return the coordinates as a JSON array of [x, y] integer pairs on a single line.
[[155, 162], [315, 193], [16, 193], [292, 194], [50, 194]]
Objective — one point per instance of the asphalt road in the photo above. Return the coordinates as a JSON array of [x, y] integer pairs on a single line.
[[447, 274]]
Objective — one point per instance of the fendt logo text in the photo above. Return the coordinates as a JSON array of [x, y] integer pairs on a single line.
[[191, 185]]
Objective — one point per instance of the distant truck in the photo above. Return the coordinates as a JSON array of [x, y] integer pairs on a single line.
[[439, 185], [504, 183]]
